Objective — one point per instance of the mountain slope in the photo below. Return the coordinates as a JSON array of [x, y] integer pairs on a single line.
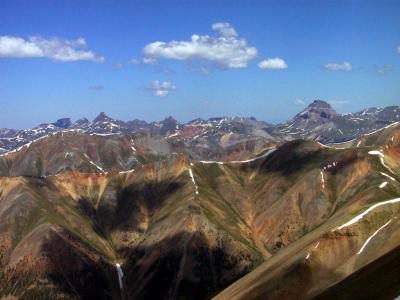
[[72, 150], [354, 246], [188, 228]]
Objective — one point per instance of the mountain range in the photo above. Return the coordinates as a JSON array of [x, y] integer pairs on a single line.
[[223, 138], [225, 208]]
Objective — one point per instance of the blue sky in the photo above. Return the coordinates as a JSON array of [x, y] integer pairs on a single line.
[[266, 59]]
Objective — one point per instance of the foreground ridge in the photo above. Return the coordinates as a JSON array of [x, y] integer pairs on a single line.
[[86, 215]]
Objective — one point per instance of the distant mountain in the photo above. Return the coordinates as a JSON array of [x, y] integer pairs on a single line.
[[216, 138], [224, 137], [319, 121]]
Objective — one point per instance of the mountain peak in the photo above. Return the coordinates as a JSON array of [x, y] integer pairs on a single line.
[[63, 123], [101, 118], [320, 104], [318, 108]]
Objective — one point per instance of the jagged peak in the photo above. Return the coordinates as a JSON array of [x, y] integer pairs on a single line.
[[102, 117]]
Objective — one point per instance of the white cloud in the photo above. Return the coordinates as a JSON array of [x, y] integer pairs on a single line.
[[161, 93], [398, 49], [225, 29], [18, 47], [345, 66], [161, 88], [298, 102], [53, 48], [273, 64], [149, 61], [224, 51]]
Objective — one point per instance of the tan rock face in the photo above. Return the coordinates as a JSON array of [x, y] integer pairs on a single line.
[[182, 228]]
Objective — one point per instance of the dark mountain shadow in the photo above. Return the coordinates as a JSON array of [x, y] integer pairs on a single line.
[[300, 156], [123, 211], [290, 158], [183, 266], [77, 274]]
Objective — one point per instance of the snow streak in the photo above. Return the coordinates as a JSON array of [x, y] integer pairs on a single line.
[[360, 216], [194, 182], [375, 233], [120, 274]]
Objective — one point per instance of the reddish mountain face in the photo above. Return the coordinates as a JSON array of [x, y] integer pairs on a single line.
[[126, 217]]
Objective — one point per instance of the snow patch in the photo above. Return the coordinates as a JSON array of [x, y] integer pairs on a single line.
[[94, 164], [253, 159], [376, 152], [327, 167], [360, 216], [386, 175], [211, 162], [383, 184], [120, 274], [125, 172], [395, 123], [194, 182], [375, 233], [133, 146], [381, 158]]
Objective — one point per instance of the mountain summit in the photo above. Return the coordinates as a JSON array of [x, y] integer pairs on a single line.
[[63, 123], [316, 110], [102, 117], [318, 116]]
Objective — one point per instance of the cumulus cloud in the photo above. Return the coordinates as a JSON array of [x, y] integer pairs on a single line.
[[225, 50], [225, 29], [273, 64], [345, 66], [298, 102], [53, 48], [161, 88]]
